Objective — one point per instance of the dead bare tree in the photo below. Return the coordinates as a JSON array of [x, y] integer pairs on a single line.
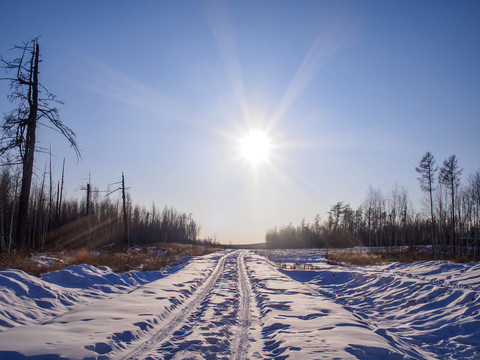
[[123, 189], [33, 107]]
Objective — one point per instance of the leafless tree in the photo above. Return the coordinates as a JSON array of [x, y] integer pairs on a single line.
[[474, 190], [334, 215], [450, 177], [426, 170], [34, 106]]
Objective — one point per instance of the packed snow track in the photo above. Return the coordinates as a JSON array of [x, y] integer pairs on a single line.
[[226, 305]]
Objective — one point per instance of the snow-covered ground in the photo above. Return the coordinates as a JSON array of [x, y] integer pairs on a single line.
[[240, 305]]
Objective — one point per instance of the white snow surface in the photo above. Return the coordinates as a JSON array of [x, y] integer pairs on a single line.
[[240, 305]]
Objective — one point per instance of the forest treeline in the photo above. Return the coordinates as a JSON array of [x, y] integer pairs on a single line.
[[33, 212], [96, 220], [449, 221]]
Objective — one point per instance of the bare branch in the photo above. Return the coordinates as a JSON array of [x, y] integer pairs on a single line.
[[21, 86]]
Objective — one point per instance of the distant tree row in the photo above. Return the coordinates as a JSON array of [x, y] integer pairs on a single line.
[[449, 222], [94, 221]]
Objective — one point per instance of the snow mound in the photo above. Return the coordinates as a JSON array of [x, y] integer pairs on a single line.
[[101, 278], [26, 299], [431, 309], [106, 312]]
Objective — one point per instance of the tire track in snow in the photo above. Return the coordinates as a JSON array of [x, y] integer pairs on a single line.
[[179, 319], [241, 343]]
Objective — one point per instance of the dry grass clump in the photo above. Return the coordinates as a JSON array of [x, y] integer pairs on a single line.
[[412, 254], [149, 258], [353, 257], [30, 264], [297, 266], [402, 255]]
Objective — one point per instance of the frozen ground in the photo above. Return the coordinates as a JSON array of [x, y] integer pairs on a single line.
[[240, 305]]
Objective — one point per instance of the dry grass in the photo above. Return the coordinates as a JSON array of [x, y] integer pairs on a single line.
[[297, 266], [411, 254], [354, 257], [403, 255], [119, 260]]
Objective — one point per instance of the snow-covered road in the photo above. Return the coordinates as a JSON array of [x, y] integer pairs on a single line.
[[213, 320], [236, 305]]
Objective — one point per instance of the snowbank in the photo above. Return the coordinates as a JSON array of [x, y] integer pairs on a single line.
[[26, 299], [431, 309]]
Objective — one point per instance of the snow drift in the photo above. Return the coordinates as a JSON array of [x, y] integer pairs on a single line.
[[239, 305]]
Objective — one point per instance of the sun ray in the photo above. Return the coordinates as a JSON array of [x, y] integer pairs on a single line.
[[321, 49], [219, 21], [106, 80]]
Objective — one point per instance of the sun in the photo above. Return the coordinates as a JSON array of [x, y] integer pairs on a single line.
[[255, 147]]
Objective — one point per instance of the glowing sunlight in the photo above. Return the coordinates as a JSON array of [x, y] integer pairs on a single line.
[[255, 147]]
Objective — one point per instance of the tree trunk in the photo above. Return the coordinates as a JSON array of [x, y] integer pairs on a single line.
[[50, 202], [125, 218], [59, 207], [3, 244], [29, 153], [434, 242], [452, 189], [88, 199]]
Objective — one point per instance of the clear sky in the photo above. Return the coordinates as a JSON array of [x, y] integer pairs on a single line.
[[348, 94]]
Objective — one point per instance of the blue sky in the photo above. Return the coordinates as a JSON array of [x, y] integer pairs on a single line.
[[351, 93]]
